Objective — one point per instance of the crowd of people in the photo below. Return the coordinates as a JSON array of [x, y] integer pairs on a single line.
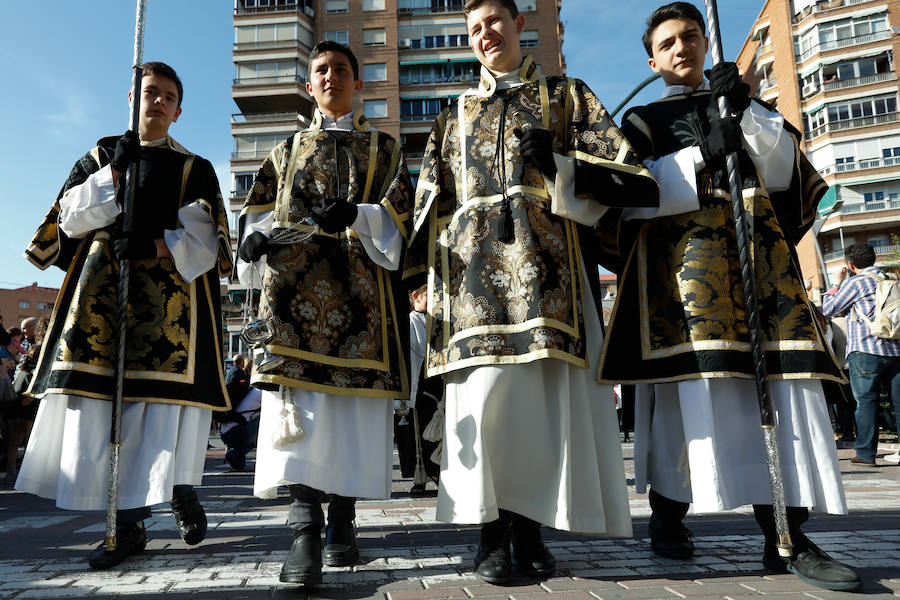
[[19, 350], [498, 385]]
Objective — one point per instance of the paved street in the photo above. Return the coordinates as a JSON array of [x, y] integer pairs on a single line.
[[406, 555]]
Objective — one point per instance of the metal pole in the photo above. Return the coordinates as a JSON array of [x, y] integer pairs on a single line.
[[115, 433], [767, 418], [634, 93]]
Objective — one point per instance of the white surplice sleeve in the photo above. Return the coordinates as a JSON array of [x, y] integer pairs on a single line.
[[89, 206], [676, 175], [261, 222], [770, 147], [194, 245], [379, 235], [564, 202]]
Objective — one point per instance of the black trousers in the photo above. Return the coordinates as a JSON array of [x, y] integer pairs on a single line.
[[305, 511]]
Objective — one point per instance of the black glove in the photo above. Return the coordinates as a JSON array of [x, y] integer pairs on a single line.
[[254, 247], [536, 146], [725, 80], [337, 215], [134, 248], [724, 138], [128, 150]]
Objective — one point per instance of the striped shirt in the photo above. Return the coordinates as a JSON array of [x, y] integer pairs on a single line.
[[859, 293]]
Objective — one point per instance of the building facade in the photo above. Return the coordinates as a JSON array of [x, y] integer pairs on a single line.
[[414, 58], [24, 302], [828, 66]]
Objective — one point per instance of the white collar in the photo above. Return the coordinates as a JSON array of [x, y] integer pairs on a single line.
[[679, 90], [342, 123]]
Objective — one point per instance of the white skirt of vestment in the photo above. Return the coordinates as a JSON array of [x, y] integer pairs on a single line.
[[709, 448], [347, 448], [539, 439], [67, 457]]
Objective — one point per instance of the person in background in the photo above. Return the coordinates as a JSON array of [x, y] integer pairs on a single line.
[[874, 361]]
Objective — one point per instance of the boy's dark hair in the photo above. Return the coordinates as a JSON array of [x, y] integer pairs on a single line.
[[473, 5], [160, 68], [329, 46], [14, 331], [675, 10], [861, 255]]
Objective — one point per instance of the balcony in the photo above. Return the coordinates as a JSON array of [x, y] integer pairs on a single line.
[[845, 83], [410, 118], [854, 123], [271, 45], [824, 7], [844, 43], [428, 7], [879, 251], [767, 84], [868, 163], [248, 81], [305, 6], [764, 49], [252, 118], [250, 154]]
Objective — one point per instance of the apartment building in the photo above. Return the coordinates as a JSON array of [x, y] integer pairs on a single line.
[[23, 302], [828, 66], [414, 58]]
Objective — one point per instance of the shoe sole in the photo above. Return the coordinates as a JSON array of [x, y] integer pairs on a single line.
[[835, 586], [340, 562], [305, 580], [111, 565], [494, 580]]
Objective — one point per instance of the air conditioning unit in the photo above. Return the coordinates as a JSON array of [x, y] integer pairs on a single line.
[[405, 43], [809, 89], [529, 8], [309, 12]]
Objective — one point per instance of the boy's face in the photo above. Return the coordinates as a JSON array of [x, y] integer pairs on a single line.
[[494, 37], [331, 83], [420, 300], [679, 52], [159, 106]]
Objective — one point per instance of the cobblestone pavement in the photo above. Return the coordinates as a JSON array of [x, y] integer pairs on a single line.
[[406, 555]]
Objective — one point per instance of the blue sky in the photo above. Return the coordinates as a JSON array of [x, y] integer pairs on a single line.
[[66, 68]]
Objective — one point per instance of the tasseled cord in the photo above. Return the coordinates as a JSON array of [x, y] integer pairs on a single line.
[[434, 432], [288, 430], [505, 229]]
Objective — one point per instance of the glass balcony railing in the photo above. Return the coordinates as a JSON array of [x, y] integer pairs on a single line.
[[879, 251], [247, 81], [823, 6], [844, 43], [859, 165], [854, 123]]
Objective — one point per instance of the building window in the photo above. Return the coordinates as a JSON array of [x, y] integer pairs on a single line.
[[433, 36], [373, 37], [283, 71], [375, 72], [263, 35], [254, 146], [526, 5], [421, 109], [24, 304], [873, 197], [242, 183], [341, 36], [442, 72], [375, 109], [44, 306], [335, 6], [528, 39], [373, 4], [889, 152]]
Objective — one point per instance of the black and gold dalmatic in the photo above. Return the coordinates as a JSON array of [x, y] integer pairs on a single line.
[[504, 272], [174, 340], [335, 310], [680, 312]]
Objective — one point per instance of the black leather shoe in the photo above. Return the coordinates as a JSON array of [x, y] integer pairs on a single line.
[[130, 539], [533, 559], [493, 562], [304, 562], [670, 539], [190, 518], [340, 545], [813, 566]]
